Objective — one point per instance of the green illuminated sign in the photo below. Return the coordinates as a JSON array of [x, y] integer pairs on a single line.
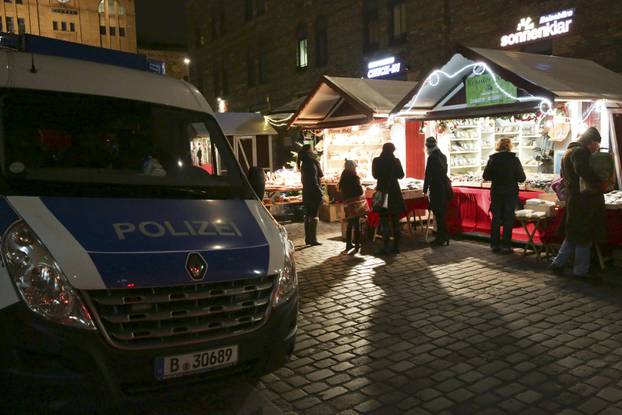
[[481, 90]]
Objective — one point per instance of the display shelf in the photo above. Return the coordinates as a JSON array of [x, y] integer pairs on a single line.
[[464, 152], [468, 166]]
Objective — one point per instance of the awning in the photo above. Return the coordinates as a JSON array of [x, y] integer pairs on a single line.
[[244, 123], [338, 102], [536, 80]]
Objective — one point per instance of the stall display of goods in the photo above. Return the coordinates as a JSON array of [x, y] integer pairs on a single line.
[[539, 205], [411, 189], [360, 144], [283, 179], [538, 181], [468, 143], [530, 214], [613, 200]]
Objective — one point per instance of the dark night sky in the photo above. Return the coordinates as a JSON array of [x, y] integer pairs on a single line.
[[161, 22]]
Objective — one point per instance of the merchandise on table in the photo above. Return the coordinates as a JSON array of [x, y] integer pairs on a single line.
[[283, 179], [539, 181], [530, 214], [613, 200], [540, 205], [358, 143]]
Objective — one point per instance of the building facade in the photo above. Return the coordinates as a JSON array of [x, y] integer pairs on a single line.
[[103, 23], [259, 54]]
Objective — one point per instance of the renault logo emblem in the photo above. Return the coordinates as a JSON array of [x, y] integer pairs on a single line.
[[196, 266]]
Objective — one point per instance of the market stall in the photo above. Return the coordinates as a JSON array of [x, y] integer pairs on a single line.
[[541, 103], [350, 119], [250, 136]]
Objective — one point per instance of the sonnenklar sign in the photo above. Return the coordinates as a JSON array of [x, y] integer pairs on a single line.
[[550, 25]]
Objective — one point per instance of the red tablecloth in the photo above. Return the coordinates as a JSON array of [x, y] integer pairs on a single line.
[[411, 204], [469, 213]]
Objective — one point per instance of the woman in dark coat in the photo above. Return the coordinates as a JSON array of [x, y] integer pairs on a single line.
[[311, 174], [387, 169], [350, 187], [505, 171], [584, 221], [436, 182]]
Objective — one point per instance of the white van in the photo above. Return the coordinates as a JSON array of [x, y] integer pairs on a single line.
[[136, 258]]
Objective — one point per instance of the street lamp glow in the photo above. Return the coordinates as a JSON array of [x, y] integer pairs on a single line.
[[187, 61]]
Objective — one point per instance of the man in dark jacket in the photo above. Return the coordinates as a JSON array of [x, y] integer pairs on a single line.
[[311, 174], [436, 182], [505, 171], [387, 169], [584, 221]]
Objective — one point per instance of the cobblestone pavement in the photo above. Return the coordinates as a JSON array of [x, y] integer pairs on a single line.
[[454, 330]]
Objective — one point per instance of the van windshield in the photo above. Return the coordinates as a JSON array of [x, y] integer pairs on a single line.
[[80, 145]]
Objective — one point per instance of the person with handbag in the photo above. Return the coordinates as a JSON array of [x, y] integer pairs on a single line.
[[438, 185], [311, 174], [352, 192], [388, 201], [584, 217], [505, 171]]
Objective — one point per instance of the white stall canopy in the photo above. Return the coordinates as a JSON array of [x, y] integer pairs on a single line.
[[338, 102], [532, 80]]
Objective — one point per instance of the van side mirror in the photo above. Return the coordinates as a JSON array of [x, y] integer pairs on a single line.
[[257, 179]]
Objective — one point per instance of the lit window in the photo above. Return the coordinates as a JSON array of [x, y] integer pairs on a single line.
[[302, 49], [114, 8]]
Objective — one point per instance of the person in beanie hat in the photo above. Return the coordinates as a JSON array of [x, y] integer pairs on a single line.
[[584, 217], [437, 184], [350, 187]]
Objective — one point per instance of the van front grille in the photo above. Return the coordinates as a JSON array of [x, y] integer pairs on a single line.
[[142, 318]]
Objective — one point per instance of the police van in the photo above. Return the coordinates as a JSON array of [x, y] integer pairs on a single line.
[[137, 259]]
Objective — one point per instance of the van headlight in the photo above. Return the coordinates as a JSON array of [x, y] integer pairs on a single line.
[[287, 282], [39, 279]]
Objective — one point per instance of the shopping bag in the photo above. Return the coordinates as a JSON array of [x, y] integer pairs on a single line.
[[354, 207], [559, 187], [379, 202]]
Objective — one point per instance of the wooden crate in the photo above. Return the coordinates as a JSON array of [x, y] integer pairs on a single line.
[[331, 212]]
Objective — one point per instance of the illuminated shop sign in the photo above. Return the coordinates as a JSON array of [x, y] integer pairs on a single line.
[[383, 67], [550, 25]]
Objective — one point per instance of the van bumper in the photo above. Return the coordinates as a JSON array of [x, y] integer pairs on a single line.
[[43, 363]]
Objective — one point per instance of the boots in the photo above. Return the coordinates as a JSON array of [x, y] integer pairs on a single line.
[[357, 237], [349, 239], [311, 231]]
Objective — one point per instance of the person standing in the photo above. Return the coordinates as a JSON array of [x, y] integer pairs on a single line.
[[311, 174], [505, 171], [437, 183], [350, 187], [584, 220], [387, 170]]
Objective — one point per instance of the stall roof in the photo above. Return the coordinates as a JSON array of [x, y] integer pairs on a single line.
[[550, 77], [337, 101], [244, 123]]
